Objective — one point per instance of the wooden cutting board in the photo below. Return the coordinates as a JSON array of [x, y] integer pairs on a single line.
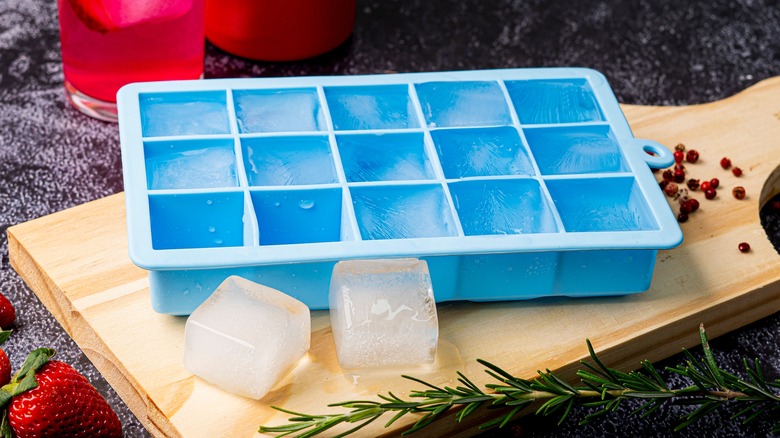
[[76, 262]]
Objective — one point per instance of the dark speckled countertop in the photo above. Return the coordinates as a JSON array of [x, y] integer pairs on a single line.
[[664, 52]]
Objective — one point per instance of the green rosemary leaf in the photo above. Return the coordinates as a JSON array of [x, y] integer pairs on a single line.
[[613, 404], [523, 403], [593, 416], [491, 423], [593, 387], [388, 398], [501, 400], [465, 380], [509, 416], [648, 394], [756, 376], [360, 406], [562, 384], [496, 370], [422, 382], [294, 427], [620, 376], [592, 377], [694, 401], [641, 382], [359, 426], [456, 391], [522, 385], [755, 414], [693, 365], [321, 428], [607, 371], [553, 404], [497, 387], [598, 370], [566, 412], [550, 384], [360, 415], [647, 365], [656, 405], [646, 408], [428, 418], [697, 415], [688, 390], [494, 376], [429, 394], [471, 407], [299, 414], [697, 378], [710, 358], [345, 404], [300, 419], [766, 393], [397, 405], [751, 398], [473, 399], [759, 371], [398, 415]]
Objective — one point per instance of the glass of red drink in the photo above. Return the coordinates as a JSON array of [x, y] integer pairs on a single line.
[[109, 43]]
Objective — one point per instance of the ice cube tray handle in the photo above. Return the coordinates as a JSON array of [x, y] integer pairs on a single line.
[[657, 155]]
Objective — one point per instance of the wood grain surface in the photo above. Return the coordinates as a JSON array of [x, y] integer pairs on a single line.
[[76, 262]]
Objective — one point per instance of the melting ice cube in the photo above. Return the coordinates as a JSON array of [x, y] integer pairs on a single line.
[[402, 212], [246, 336], [382, 313], [381, 107], [199, 168], [161, 118], [463, 104], [278, 111]]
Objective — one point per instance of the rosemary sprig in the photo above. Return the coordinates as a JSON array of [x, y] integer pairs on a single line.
[[600, 387]]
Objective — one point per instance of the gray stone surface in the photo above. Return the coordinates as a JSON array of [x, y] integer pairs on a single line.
[[662, 52]]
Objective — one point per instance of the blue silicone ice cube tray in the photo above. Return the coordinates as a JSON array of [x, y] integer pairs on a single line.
[[511, 184]]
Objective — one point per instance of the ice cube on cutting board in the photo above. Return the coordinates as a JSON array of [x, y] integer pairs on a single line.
[[383, 313], [245, 337]]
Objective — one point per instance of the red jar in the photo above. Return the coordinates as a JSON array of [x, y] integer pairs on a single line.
[[278, 30]]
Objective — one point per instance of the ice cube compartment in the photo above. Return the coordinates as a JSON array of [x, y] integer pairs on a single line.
[[510, 184]]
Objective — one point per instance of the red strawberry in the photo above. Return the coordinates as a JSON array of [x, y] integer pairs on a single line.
[[7, 312], [5, 368], [51, 399], [5, 364]]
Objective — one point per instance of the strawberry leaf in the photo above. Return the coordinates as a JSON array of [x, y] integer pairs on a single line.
[[4, 335], [36, 359], [26, 384], [5, 427], [5, 398]]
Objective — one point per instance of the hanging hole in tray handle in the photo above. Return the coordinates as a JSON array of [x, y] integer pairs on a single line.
[[656, 154]]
